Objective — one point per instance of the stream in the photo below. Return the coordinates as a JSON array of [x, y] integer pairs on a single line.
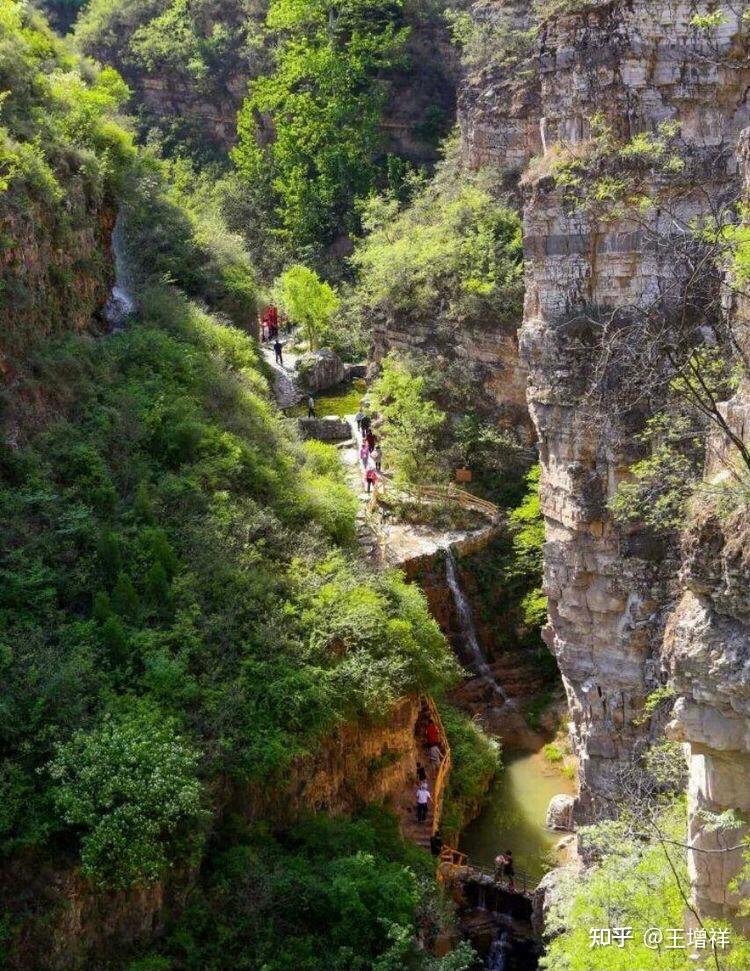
[[514, 814]]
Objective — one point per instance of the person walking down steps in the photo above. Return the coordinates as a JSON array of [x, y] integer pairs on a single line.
[[423, 798], [277, 348], [310, 406]]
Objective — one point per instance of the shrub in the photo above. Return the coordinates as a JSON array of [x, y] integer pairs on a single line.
[[131, 784]]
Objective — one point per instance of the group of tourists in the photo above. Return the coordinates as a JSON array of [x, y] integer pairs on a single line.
[[504, 868], [269, 324], [423, 794], [370, 454]]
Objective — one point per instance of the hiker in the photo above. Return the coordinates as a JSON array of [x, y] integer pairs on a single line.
[[509, 869], [436, 755], [432, 734], [358, 418], [371, 476], [377, 457], [423, 797], [499, 867], [364, 455], [421, 773], [371, 440], [365, 423], [277, 346], [436, 844], [310, 406]]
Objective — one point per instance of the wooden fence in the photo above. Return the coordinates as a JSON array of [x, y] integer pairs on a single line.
[[443, 773], [449, 493]]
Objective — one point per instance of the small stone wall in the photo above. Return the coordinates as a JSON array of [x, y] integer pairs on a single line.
[[325, 429]]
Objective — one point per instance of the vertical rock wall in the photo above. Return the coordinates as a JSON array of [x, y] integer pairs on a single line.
[[636, 63]]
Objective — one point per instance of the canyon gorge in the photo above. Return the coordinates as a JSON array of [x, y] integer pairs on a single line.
[[219, 652]]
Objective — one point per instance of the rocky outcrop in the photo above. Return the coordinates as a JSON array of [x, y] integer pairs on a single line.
[[480, 355], [53, 278], [320, 370], [707, 647], [635, 63], [325, 429], [560, 813]]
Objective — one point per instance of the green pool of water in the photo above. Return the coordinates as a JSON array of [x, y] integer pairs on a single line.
[[514, 814], [340, 401]]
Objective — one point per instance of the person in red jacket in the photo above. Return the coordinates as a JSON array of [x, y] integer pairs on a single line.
[[433, 735]]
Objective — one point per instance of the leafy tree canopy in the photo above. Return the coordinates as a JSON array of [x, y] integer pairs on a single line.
[[310, 130]]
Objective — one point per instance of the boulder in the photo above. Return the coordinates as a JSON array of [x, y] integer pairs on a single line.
[[330, 429], [560, 813], [355, 371], [320, 370]]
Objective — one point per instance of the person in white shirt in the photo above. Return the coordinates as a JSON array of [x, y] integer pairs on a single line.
[[423, 798]]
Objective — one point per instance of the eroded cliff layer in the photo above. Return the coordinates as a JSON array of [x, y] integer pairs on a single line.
[[635, 65]]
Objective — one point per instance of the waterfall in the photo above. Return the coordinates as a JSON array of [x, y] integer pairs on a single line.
[[479, 664], [120, 304], [497, 959]]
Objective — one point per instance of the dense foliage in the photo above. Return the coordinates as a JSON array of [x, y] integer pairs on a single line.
[[62, 158], [477, 759], [201, 53], [309, 136], [411, 422], [325, 895], [447, 268], [163, 539], [451, 257]]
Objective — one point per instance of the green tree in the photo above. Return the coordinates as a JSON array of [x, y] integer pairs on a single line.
[[411, 423], [308, 300], [132, 785], [322, 105]]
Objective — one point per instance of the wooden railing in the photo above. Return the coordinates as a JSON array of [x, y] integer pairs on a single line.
[[523, 882], [450, 493], [444, 769]]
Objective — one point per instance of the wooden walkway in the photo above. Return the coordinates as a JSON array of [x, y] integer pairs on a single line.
[[437, 779], [453, 862]]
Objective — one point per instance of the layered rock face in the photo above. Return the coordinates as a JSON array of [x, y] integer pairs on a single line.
[[485, 355], [637, 64], [707, 649], [53, 279]]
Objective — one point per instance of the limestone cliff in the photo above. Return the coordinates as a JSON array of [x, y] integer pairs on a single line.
[[707, 649], [53, 277], [635, 64]]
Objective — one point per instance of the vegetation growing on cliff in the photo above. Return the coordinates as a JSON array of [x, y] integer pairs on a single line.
[[477, 759], [62, 157], [309, 136]]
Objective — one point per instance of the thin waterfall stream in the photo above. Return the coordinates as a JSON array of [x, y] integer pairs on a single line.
[[479, 664], [121, 303]]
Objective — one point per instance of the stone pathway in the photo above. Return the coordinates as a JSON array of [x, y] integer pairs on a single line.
[[284, 384], [367, 535]]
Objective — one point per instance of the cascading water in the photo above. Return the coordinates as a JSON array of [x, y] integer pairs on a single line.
[[497, 959], [479, 664], [120, 304]]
